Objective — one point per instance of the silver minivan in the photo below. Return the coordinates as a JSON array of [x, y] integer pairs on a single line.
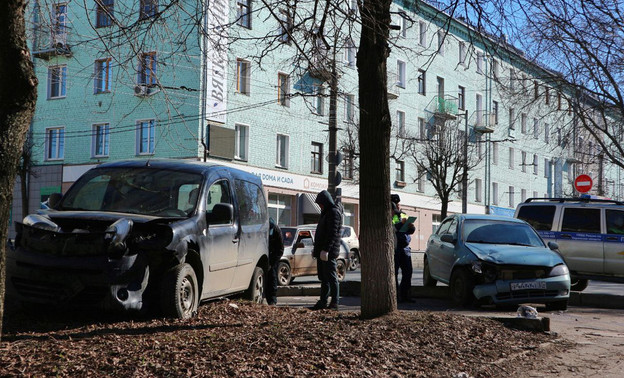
[[589, 232]]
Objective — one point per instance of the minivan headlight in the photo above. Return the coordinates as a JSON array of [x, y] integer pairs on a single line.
[[41, 222], [559, 270]]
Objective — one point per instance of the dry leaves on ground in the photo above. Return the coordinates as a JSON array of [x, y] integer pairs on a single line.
[[237, 338]]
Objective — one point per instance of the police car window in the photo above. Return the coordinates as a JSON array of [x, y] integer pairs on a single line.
[[576, 219], [615, 222], [540, 217]]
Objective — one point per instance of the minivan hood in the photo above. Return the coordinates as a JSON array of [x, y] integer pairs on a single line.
[[515, 254]]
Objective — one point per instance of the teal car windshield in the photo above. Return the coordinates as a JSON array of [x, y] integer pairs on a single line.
[[497, 232]]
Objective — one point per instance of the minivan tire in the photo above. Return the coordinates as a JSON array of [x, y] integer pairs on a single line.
[[255, 292], [284, 274], [462, 284], [179, 292], [578, 284]]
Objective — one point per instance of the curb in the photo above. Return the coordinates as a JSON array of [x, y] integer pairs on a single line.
[[352, 289]]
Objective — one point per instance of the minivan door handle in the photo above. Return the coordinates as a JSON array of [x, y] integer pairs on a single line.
[[566, 236]]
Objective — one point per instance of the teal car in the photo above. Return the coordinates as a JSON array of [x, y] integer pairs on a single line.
[[488, 259]]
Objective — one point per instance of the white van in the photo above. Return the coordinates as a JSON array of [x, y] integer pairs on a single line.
[[589, 232]]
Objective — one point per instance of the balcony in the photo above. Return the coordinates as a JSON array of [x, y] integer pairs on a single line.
[[319, 66], [50, 44], [484, 122], [444, 108]]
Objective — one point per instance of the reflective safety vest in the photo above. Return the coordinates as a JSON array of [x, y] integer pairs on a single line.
[[396, 219]]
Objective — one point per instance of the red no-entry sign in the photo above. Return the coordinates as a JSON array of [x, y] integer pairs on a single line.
[[583, 183]]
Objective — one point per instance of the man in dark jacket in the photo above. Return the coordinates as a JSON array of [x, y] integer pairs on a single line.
[[276, 250], [327, 248], [402, 251]]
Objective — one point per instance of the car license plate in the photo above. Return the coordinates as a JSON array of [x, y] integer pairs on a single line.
[[528, 285]]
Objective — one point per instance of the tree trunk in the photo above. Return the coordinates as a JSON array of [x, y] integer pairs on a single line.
[[378, 291], [18, 94], [444, 208]]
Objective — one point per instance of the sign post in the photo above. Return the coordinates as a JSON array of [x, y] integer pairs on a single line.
[[583, 183]]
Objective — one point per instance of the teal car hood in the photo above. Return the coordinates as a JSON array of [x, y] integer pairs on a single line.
[[515, 254]]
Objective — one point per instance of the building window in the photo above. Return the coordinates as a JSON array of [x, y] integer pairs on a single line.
[[103, 75], [478, 190], [511, 196], [479, 105], [535, 165], [316, 162], [479, 62], [547, 95], [421, 83], [242, 76], [243, 13], [495, 153], [441, 42], [523, 195], [281, 158], [145, 137], [494, 193], [401, 123], [55, 143], [286, 26], [546, 168], [149, 8], [57, 81], [512, 119], [420, 181], [349, 108], [400, 74], [350, 53], [283, 89], [512, 156], [495, 69], [422, 33], [400, 171], [461, 98], [422, 130], [104, 10], [495, 111], [524, 163], [523, 123], [319, 105], [101, 139], [462, 53], [147, 69], [546, 133], [241, 147], [535, 128], [512, 79], [347, 165], [59, 30], [535, 90], [280, 208]]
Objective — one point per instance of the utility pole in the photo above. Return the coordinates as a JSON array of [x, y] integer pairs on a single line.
[[464, 193], [334, 157]]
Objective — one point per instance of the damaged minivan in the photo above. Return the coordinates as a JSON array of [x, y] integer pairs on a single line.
[[145, 235]]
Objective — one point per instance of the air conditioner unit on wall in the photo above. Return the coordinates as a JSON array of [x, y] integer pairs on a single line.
[[141, 90]]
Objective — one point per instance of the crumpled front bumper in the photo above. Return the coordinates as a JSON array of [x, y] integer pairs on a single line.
[[499, 291]]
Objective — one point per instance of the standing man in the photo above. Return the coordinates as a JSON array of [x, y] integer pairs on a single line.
[[326, 249], [276, 250], [402, 251]]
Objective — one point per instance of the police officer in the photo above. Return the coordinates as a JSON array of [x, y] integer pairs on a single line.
[[402, 251], [276, 250]]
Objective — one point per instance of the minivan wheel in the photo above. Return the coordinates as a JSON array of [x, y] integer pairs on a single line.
[[255, 293], [462, 284], [284, 275], [578, 284], [341, 270], [354, 257], [179, 292], [428, 281]]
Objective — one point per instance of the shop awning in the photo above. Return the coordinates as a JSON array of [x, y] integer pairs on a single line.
[[307, 204]]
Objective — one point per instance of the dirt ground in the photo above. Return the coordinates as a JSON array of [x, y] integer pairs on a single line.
[[593, 344]]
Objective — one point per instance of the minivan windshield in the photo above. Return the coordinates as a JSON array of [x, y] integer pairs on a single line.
[[144, 191], [500, 232]]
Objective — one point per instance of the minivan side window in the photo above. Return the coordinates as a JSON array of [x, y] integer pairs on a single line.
[[577, 219], [540, 217], [615, 222], [253, 207]]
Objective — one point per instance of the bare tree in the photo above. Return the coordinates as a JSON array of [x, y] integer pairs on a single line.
[[18, 96]]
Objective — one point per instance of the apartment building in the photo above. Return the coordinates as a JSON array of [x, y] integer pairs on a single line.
[[128, 79]]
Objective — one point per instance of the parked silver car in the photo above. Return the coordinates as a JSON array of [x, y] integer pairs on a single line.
[[353, 243], [297, 260]]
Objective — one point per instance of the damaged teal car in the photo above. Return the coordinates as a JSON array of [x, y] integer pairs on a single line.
[[488, 259]]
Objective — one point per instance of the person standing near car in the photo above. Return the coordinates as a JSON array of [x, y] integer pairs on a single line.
[[276, 250], [402, 251], [326, 249]]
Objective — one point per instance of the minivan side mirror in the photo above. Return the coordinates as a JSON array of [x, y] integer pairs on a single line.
[[553, 246], [448, 238], [222, 213]]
